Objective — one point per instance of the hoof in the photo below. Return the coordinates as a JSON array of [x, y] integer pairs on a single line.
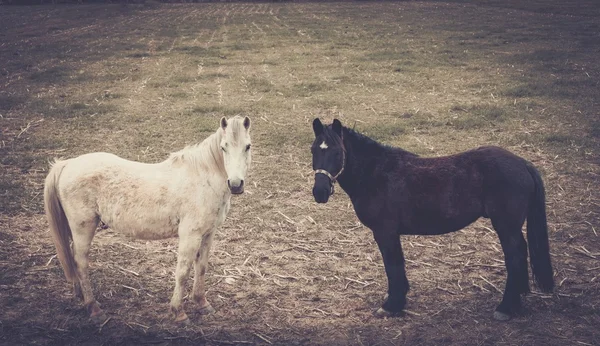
[[182, 317], [185, 322], [501, 316], [99, 317], [381, 313], [206, 309]]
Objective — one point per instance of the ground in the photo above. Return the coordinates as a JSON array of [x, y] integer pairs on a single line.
[[144, 80]]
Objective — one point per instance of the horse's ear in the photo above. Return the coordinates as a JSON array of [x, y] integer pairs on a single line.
[[337, 127], [223, 123], [247, 123], [317, 127]]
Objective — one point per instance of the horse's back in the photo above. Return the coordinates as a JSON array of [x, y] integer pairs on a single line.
[[508, 185], [130, 196], [443, 194], [502, 169], [100, 160]]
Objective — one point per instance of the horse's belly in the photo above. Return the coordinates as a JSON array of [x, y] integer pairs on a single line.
[[440, 225], [149, 231], [149, 226]]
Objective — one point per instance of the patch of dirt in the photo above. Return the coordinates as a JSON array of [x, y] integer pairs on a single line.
[[433, 77]]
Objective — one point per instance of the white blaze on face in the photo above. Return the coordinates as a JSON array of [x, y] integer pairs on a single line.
[[323, 145]]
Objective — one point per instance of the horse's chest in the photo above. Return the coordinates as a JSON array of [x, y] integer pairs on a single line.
[[367, 211], [213, 207], [222, 211]]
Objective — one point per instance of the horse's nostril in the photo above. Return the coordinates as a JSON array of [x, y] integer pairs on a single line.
[[242, 183], [229, 183]]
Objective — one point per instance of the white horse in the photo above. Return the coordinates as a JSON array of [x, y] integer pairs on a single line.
[[187, 195]]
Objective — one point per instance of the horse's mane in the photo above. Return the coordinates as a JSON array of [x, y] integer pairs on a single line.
[[372, 145], [205, 154]]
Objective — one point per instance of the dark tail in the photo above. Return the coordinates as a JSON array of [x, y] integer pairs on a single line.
[[537, 235]]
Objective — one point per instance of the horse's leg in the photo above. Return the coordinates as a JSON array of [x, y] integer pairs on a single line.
[[200, 266], [188, 248], [83, 232], [393, 260], [515, 258]]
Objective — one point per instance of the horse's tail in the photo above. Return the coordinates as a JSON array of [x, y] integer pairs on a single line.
[[537, 235], [57, 220]]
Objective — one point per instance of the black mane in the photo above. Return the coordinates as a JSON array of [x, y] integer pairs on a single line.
[[371, 145], [367, 158]]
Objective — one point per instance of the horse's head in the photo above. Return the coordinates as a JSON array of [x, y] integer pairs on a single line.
[[328, 158], [235, 145]]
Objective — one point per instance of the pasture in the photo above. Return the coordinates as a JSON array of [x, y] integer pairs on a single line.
[[434, 78]]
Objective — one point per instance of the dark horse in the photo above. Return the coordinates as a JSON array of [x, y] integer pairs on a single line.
[[395, 192]]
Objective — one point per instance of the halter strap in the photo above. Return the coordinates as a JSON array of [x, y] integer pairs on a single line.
[[331, 177]]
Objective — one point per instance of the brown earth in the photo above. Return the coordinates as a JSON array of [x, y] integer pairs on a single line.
[[432, 77]]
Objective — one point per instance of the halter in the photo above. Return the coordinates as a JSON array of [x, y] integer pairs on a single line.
[[333, 178]]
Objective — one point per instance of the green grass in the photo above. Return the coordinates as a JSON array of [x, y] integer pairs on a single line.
[[405, 66], [11, 194], [212, 75], [138, 55], [389, 55], [567, 87], [215, 110], [211, 52], [66, 110], [595, 129], [560, 139], [306, 89], [51, 75], [179, 95], [8, 102], [521, 90], [259, 84], [385, 131], [479, 116]]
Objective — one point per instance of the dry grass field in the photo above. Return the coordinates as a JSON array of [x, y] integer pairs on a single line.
[[435, 78]]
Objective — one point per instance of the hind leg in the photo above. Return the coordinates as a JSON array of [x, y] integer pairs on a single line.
[[83, 233], [77, 290], [515, 258]]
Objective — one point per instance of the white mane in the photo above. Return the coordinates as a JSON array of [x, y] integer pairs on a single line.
[[207, 154], [204, 155]]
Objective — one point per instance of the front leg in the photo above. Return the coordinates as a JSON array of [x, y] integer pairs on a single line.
[[189, 241], [200, 266], [393, 259]]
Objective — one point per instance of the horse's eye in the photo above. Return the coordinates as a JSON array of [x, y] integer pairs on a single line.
[[223, 148], [247, 147]]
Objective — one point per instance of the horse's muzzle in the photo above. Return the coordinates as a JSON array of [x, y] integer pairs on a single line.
[[321, 195], [322, 189], [236, 189]]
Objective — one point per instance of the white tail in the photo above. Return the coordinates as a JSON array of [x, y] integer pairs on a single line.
[[59, 225]]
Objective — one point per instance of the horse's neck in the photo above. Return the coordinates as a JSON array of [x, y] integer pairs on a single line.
[[363, 155], [206, 155]]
